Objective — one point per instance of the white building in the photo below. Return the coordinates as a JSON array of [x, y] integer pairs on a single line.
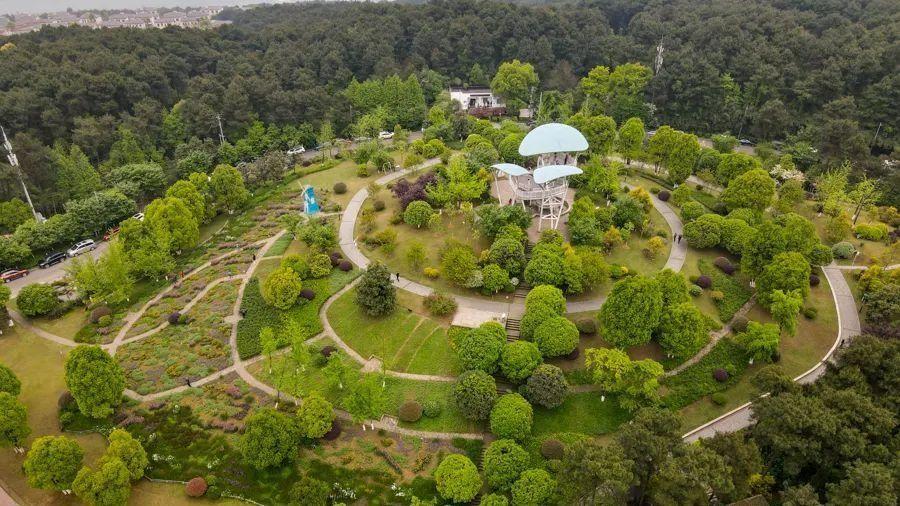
[[473, 99]]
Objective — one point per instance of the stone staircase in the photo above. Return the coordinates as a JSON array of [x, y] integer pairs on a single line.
[[512, 329]]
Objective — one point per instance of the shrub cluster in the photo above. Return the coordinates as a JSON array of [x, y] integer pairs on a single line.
[[724, 265], [410, 411], [340, 188], [440, 304]]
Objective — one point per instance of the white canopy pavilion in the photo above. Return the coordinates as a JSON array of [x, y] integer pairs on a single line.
[[556, 147]]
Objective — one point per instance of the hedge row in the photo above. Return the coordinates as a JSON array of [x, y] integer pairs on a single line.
[[697, 380], [258, 314], [735, 293]]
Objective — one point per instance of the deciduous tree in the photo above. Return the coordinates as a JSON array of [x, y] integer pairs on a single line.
[[53, 462], [95, 380]]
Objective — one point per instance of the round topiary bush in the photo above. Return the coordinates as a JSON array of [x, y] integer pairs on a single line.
[[695, 290], [100, 312], [814, 280], [174, 318], [307, 294], [587, 325], [345, 265], [704, 281], [739, 323], [327, 351], [196, 487], [843, 249], [810, 312], [718, 398], [552, 449], [410, 411], [38, 299], [724, 265], [720, 375], [432, 408], [378, 205], [664, 195], [340, 188], [511, 417]]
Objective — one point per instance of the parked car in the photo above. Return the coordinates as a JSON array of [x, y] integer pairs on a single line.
[[747, 142], [12, 274], [385, 135], [81, 247], [139, 216], [297, 150], [110, 233], [52, 259]]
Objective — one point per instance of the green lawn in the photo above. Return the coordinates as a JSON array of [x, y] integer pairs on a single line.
[[405, 340], [583, 412], [280, 245]]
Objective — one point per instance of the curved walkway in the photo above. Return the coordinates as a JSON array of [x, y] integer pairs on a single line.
[[848, 328]]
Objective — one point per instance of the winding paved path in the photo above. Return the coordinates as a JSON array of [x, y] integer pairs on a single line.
[[848, 328]]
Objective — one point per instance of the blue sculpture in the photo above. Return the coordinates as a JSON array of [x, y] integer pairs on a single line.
[[310, 206]]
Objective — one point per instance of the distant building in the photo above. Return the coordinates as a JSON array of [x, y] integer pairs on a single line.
[[479, 102], [141, 18]]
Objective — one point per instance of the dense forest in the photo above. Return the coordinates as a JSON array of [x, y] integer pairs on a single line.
[[824, 74]]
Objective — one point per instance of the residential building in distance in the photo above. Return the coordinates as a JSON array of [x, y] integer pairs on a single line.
[[201, 17], [480, 102]]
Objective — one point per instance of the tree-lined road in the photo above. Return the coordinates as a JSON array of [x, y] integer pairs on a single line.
[[52, 273]]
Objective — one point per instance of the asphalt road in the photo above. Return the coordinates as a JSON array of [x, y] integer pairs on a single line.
[[52, 273]]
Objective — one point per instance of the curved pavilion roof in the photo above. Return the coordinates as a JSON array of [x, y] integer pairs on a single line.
[[552, 138], [550, 172], [510, 169]]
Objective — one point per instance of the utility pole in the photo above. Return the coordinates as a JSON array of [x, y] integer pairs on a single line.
[[658, 61], [875, 139], [14, 162], [221, 132]]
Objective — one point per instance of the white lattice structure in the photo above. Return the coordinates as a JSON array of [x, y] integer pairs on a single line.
[[556, 146]]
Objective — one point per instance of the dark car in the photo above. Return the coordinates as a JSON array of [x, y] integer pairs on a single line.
[[13, 274], [52, 259]]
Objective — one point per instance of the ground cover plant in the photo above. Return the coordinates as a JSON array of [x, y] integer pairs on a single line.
[[257, 314], [189, 349]]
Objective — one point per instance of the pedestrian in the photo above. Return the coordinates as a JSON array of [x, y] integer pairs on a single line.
[[188, 382], [675, 237], [398, 276]]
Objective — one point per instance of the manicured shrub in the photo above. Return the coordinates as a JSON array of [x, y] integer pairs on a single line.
[[480, 348], [310, 492], [814, 280], [319, 265], [410, 411], [196, 487], [37, 300], [556, 336], [100, 312], [431, 272], [502, 462], [297, 263], [810, 313], [457, 479], [282, 287], [664, 195], [326, 351], [692, 210], [705, 231], [535, 314], [519, 359], [718, 398], [417, 213], [843, 250], [345, 265], [547, 386], [534, 487], [307, 294], [587, 325], [511, 417], [871, 232], [547, 295], [340, 188], [174, 318], [703, 281], [724, 265], [432, 408], [552, 449], [720, 375], [474, 393], [378, 205], [820, 255], [494, 500], [717, 295], [105, 321], [695, 290], [739, 323], [440, 304]]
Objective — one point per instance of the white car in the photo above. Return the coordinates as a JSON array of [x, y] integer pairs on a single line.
[[139, 216], [385, 135], [298, 150], [81, 247]]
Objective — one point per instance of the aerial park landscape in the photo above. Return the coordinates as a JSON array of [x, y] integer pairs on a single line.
[[474, 293]]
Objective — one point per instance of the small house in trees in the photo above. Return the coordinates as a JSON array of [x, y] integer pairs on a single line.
[[480, 102]]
